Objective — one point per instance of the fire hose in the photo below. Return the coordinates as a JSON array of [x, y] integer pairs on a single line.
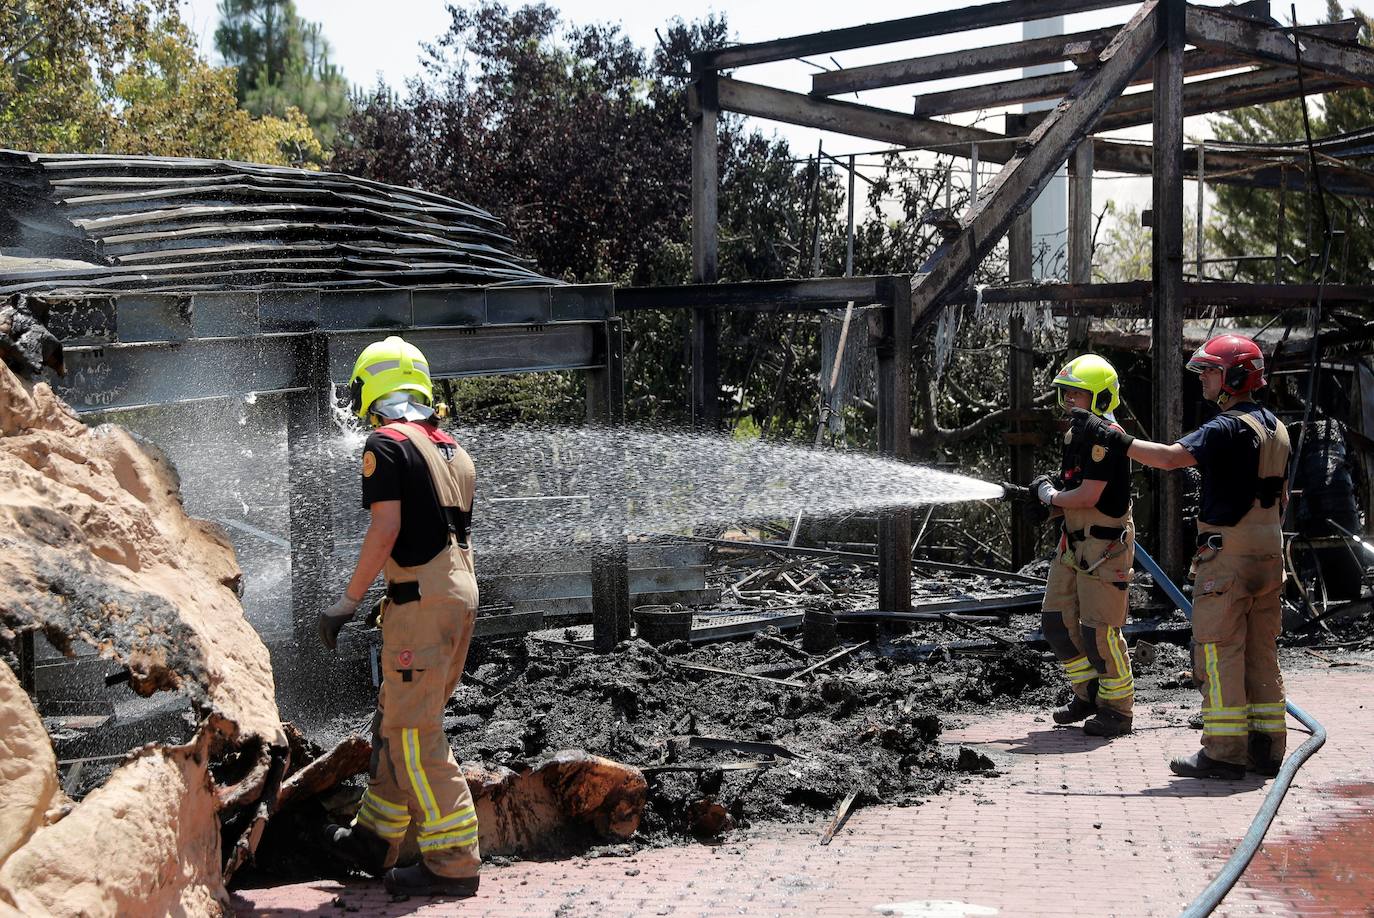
[[1211, 896]]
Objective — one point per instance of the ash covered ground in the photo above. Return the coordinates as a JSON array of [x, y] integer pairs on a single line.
[[868, 725]]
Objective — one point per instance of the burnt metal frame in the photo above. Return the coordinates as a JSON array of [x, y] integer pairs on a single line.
[[132, 350], [1152, 43]]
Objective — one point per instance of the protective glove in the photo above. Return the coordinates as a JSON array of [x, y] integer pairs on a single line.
[[1086, 424], [1044, 490], [335, 617]]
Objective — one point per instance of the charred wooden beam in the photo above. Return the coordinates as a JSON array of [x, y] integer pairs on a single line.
[[957, 140], [1254, 87], [893, 351], [1081, 228], [705, 196], [1239, 169], [1055, 85], [1021, 180], [348, 758], [912, 27], [966, 62], [1212, 28], [1020, 372], [1166, 269], [1076, 46], [1049, 86], [857, 120]]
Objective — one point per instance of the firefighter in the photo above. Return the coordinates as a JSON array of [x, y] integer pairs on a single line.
[[1237, 572], [1086, 595], [418, 484]]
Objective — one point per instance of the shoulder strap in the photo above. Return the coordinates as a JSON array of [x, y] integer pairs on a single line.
[[1274, 449], [453, 481]]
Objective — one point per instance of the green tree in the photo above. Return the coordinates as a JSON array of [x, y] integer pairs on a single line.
[[580, 142], [1256, 222], [282, 62], [124, 76]]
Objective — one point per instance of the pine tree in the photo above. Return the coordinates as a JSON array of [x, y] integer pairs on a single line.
[[282, 62]]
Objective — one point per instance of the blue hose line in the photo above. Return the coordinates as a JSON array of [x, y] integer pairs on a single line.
[[1163, 582], [1221, 884]]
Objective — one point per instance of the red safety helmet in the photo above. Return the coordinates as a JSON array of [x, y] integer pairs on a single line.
[[1238, 357]]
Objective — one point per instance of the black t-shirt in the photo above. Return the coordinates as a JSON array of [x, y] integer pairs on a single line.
[[1227, 454], [395, 470], [1098, 462]]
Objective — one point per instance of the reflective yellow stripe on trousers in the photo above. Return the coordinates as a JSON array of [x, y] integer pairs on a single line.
[[1080, 670], [410, 742], [386, 819], [1268, 717]]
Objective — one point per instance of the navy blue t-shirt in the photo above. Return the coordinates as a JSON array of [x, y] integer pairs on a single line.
[[1227, 454], [1098, 462]]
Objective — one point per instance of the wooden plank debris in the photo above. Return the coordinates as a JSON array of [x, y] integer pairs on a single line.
[[840, 817], [733, 745], [717, 671], [833, 658]]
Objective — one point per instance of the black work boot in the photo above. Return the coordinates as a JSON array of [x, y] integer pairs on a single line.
[[1201, 765], [1078, 708], [1108, 723], [358, 848], [1261, 758], [419, 880]]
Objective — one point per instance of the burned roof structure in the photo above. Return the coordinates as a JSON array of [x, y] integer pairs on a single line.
[[82, 222], [1253, 58]]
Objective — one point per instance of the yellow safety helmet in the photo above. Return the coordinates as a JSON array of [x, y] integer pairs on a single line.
[[388, 368], [1094, 375]]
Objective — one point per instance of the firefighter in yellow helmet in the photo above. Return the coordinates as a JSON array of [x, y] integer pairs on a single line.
[[1086, 595], [418, 484]]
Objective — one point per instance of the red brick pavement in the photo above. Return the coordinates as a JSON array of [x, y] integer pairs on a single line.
[[1071, 826]]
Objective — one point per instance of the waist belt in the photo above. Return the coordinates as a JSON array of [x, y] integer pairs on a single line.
[[403, 592], [1110, 533]]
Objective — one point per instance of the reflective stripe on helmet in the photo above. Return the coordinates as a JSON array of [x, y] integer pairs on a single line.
[[372, 369]]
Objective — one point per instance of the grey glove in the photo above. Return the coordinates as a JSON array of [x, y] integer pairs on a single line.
[[1043, 489], [334, 618]]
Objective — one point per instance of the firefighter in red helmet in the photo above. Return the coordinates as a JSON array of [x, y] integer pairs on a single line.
[[1243, 455]]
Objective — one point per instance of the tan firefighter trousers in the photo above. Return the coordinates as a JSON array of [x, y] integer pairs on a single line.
[[1085, 608], [1236, 623], [414, 776]]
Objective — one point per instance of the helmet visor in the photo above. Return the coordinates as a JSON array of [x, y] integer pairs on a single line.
[[402, 406], [1201, 360]]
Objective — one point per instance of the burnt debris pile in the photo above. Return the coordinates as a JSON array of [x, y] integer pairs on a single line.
[[731, 733]]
